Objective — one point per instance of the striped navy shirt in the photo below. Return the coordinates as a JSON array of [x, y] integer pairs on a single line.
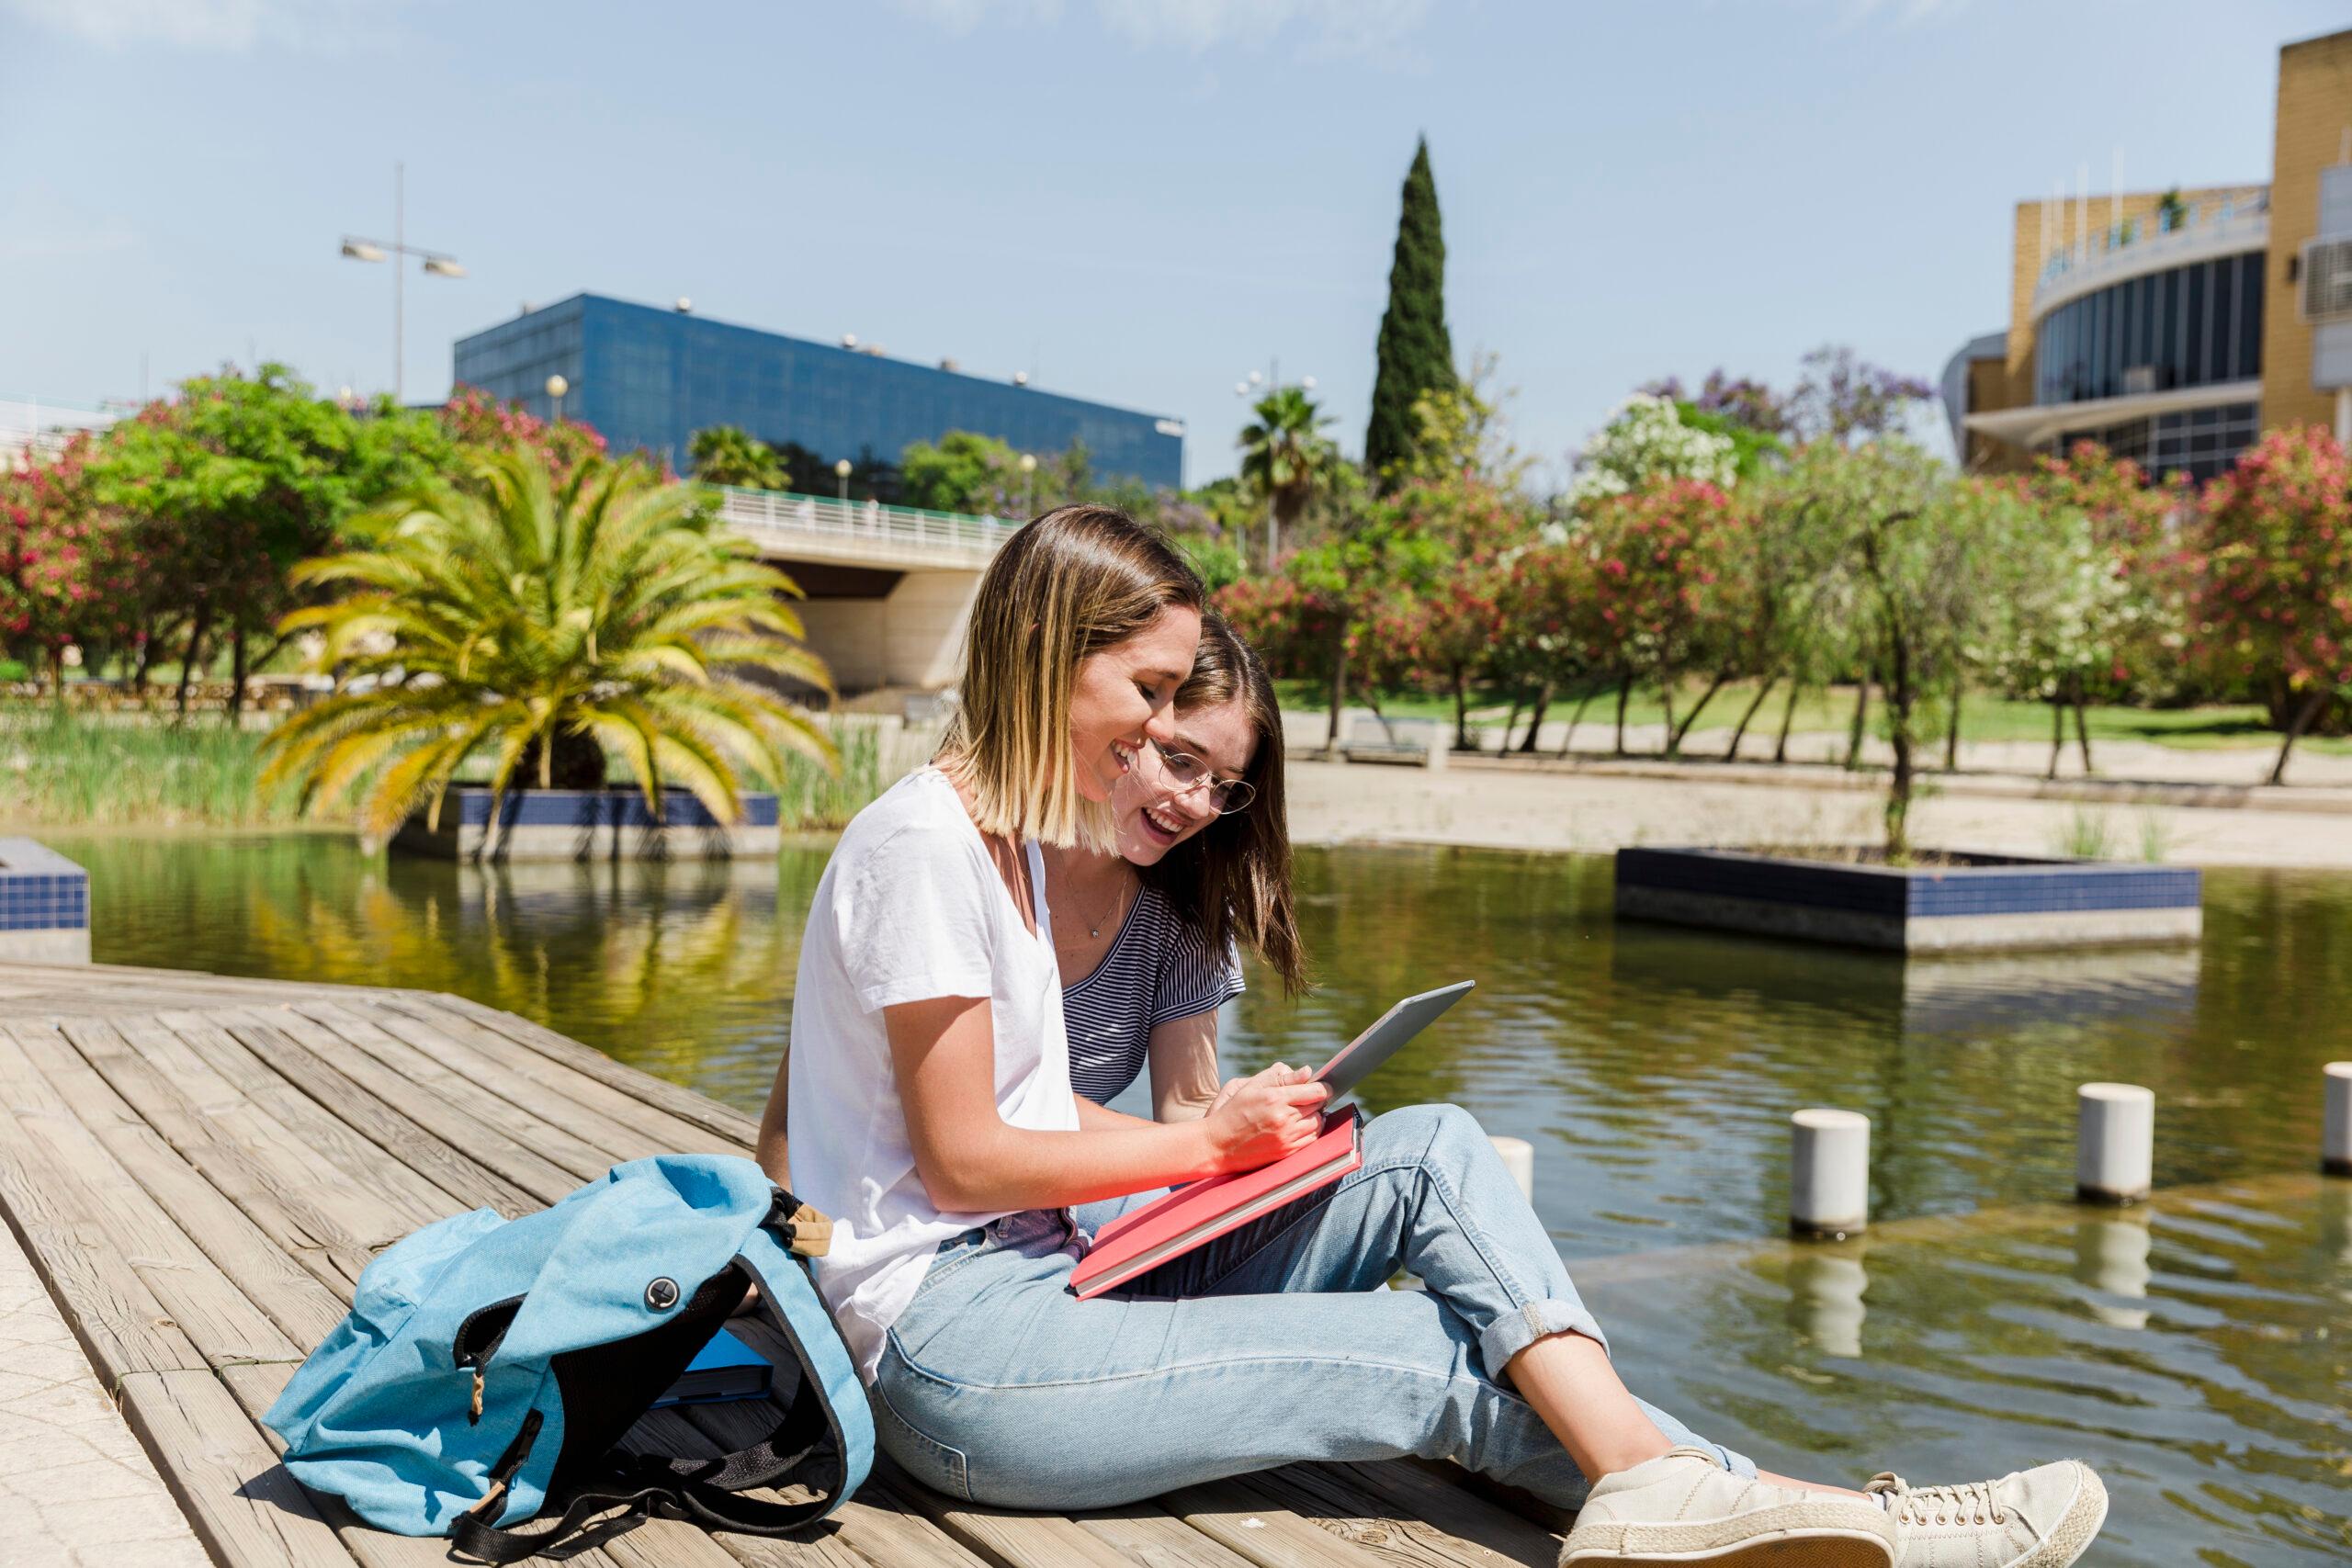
[[1158, 968]]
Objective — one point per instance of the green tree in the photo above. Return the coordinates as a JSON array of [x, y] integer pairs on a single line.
[[541, 625], [728, 454], [1416, 353], [240, 477], [2273, 607], [1285, 457]]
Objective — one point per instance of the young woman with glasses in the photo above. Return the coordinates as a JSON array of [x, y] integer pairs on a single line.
[[930, 1114], [1147, 938]]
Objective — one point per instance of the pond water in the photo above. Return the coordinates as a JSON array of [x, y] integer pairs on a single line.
[[2199, 1353]]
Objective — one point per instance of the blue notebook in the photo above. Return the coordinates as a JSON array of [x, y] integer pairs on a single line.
[[726, 1369]]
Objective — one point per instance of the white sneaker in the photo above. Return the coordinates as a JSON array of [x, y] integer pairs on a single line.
[[2042, 1517], [1683, 1507]]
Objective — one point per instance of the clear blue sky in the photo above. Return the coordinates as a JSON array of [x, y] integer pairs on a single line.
[[1137, 200]]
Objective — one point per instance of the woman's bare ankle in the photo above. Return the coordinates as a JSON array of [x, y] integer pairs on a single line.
[[1823, 1488]]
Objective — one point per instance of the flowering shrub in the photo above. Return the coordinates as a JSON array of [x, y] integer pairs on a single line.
[[2273, 594], [70, 570], [1645, 442]]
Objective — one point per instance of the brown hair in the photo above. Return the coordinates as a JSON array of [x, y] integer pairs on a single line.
[[1071, 583], [1231, 881]]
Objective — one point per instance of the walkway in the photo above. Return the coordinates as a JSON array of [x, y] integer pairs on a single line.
[[200, 1167]]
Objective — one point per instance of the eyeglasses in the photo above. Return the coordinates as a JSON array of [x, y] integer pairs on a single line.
[[1228, 795]]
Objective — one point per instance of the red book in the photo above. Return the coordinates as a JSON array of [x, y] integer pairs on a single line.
[[1202, 1210]]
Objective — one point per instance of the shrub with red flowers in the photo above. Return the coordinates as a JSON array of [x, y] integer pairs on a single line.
[[1666, 589], [70, 568], [2273, 595], [474, 418]]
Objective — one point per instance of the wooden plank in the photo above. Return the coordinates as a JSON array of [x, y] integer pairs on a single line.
[[676, 1099], [120, 1324], [1339, 1501], [1509, 1498], [321, 1124], [1149, 1534], [369, 1217], [463, 1183], [214, 1314], [445, 1115], [1003, 1536], [1437, 1492], [246, 1509], [1268, 1533], [453, 1048], [482, 1095], [302, 1303], [279, 1205], [665, 1133]]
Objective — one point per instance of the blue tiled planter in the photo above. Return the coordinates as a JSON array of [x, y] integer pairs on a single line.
[[582, 824], [44, 905], [1987, 901]]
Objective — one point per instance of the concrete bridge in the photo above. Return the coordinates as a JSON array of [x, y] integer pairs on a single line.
[[887, 586]]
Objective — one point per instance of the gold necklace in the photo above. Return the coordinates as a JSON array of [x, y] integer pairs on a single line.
[[1118, 906]]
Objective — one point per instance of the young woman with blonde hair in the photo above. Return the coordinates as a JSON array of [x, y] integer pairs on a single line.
[[931, 1113]]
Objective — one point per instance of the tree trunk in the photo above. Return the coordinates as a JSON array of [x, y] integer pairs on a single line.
[[1862, 719], [1339, 688], [1535, 719], [1899, 702], [1510, 721], [1739, 731], [196, 628], [1461, 709], [57, 675], [2082, 729], [1576, 717], [2057, 730], [1624, 694], [1788, 717], [1951, 732], [1674, 748], [236, 674], [146, 657], [2302, 721], [1665, 728]]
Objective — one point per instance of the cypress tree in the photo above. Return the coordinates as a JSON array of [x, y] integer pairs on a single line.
[[1416, 352]]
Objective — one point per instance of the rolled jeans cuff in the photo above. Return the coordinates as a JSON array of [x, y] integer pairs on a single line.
[[1515, 1331]]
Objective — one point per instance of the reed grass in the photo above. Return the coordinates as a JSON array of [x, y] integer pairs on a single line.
[[58, 769]]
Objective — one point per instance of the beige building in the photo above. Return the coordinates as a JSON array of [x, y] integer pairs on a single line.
[[2175, 326]]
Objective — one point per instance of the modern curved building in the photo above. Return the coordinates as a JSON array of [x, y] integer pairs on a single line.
[[2175, 327]]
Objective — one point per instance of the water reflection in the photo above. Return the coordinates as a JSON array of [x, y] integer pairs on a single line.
[[2111, 1257], [1825, 1290]]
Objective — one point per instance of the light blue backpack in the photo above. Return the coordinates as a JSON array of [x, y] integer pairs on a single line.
[[489, 1366]]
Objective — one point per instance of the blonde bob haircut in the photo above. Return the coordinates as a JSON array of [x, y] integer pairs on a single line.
[[1075, 581]]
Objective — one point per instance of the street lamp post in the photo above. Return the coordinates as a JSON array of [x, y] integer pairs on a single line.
[[556, 387], [1029, 469], [435, 262], [841, 473]]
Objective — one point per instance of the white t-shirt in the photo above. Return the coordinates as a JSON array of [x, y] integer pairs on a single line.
[[909, 908]]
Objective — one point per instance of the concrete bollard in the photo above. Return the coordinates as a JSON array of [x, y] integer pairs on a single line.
[[1829, 1172], [1518, 1159], [2336, 1128], [2115, 1150]]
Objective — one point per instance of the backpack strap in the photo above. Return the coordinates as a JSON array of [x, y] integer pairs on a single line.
[[706, 1491]]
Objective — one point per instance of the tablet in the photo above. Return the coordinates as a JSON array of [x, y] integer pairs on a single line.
[[1357, 1059]]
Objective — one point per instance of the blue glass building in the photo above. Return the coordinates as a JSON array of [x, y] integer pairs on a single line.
[[648, 377]]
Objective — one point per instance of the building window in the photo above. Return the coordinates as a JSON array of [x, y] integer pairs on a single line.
[[2188, 327]]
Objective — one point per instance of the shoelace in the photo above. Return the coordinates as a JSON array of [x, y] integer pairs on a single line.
[[1937, 1505]]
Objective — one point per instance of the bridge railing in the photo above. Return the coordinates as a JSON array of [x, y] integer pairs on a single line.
[[858, 526]]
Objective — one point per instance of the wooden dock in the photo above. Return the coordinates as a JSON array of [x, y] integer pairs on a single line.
[[198, 1169]]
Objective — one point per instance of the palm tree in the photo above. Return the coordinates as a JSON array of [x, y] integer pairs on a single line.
[[538, 627], [727, 455], [1285, 457]]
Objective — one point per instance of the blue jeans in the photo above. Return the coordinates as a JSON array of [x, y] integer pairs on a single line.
[[1277, 1343]]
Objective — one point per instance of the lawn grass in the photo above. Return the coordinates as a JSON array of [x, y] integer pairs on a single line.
[[1984, 715]]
